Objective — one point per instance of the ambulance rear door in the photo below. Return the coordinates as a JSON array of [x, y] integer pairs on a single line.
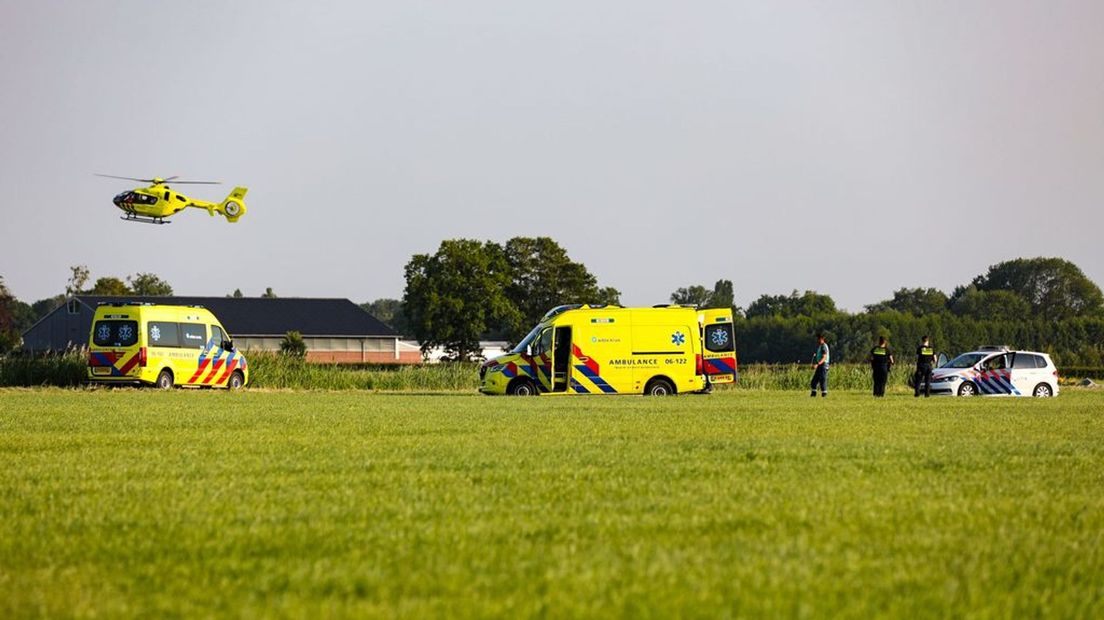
[[718, 345]]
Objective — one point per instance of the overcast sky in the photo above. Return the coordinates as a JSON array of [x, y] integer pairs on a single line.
[[782, 145]]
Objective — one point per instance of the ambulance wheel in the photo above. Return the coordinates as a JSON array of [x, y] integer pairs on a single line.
[[659, 387], [165, 380], [1042, 391], [521, 387], [967, 389], [237, 381]]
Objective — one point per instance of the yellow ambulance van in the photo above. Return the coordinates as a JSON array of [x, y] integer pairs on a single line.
[[581, 349], [153, 344]]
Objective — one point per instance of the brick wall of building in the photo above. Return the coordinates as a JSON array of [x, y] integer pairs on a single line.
[[356, 357]]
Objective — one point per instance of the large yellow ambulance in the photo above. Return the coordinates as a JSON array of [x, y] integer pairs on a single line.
[[162, 345], [580, 349]]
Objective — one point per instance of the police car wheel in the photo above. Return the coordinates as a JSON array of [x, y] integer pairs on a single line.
[[1042, 391], [236, 381], [659, 387], [522, 387], [165, 380], [967, 389]]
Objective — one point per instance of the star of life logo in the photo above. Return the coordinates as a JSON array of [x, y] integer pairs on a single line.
[[678, 338], [125, 332], [103, 332], [719, 337], [155, 333]]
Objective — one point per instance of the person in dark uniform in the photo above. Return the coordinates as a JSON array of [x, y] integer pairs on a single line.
[[925, 360], [881, 360], [821, 359]]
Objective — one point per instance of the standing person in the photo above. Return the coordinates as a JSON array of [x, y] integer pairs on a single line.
[[881, 360], [925, 360], [821, 359]]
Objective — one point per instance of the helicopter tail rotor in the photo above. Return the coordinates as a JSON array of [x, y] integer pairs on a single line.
[[234, 205]]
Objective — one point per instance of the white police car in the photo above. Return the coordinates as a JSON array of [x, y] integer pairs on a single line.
[[997, 371]]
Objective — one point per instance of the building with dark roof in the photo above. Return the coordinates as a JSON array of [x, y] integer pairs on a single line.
[[335, 330]]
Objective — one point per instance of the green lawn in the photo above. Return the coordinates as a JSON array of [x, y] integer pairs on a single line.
[[742, 503]]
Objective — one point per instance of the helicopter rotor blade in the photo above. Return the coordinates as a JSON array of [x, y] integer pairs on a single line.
[[165, 180], [111, 176]]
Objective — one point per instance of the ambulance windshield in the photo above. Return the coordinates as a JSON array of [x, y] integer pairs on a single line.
[[527, 340]]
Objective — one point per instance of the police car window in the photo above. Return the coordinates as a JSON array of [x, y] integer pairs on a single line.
[[163, 334], [193, 335], [217, 335], [719, 337], [996, 363], [1026, 360], [966, 360], [115, 333]]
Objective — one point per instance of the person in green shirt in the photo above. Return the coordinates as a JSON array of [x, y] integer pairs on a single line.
[[821, 359]]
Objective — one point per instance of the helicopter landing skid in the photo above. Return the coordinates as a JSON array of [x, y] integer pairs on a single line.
[[144, 220]]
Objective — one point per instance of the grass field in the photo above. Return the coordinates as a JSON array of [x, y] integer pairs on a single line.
[[743, 503]]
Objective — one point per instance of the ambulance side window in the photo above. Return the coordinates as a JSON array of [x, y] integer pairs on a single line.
[[545, 343], [193, 335], [217, 335], [163, 334]]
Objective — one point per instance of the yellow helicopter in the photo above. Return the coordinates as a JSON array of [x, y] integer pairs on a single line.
[[151, 205]]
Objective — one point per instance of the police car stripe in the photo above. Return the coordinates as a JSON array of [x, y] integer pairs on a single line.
[[1006, 381], [995, 386]]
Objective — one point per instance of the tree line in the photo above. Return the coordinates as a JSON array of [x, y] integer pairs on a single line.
[[17, 316], [474, 290], [471, 290]]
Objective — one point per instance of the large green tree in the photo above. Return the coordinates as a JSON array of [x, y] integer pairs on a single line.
[[543, 276], [693, 295], [1056, 288], [78, 278], [9, 333], [149, 284], [721, 296], [991, 305], [807, 304], [457, 294], [110, 285], [42, 307], [916, 301]]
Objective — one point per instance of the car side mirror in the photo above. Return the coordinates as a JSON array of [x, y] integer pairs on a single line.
[[529, 350], [228, 345]]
